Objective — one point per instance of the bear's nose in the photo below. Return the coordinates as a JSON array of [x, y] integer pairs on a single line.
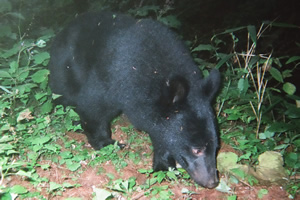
[[212, 183]]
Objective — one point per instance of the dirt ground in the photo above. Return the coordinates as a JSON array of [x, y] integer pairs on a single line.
[[89, 177]]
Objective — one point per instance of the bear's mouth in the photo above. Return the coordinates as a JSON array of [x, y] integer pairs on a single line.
[[182, 163], [202, 174]]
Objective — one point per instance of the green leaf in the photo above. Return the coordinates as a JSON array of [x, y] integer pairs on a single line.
[[41, 140], [46, 107], [265, 135], [132, 183], [238, 172], [281, 146], [245, 156], [6, 196], [243, 85], [291, 159], [45, 166], [233, 30], [233, 117], [68, 185], [40, 75], [51, 147], [289, 88], [41, 57], [5, 127], [170, 21], [279, 127], [262, 192], [252, 180], [37, 147], [110, 176], [12, 51], [73, 114], [144, 171], [5, 147], [151, 181], [164, 194], [171, 175], [55, 96], [223, 60], [18, 189], [66, 154], [23, 75], [23, 173], [284, 25], [160, 176], [13, 67], [55, 186], [204, 47], [101, 194], [297, 143], [38, 96], [4, 74], [26, 87], [287, 73], [6, 138], [252, 33], [233, 197], [292, 59], [72, 166], [276, 74]]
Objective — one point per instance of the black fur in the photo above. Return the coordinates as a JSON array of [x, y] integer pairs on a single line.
[[105, 64]]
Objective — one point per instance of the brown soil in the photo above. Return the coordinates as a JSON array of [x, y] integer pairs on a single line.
[[89, 177]]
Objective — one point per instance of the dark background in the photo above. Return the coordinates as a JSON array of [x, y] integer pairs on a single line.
[[200, 20]]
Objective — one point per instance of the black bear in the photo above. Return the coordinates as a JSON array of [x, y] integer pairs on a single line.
[[105, 64]]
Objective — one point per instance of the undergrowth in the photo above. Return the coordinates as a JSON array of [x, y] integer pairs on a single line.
[[257, 112], [257, 109]]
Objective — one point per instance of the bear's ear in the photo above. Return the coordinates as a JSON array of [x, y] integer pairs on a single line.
[[174, 91], [211, 84]]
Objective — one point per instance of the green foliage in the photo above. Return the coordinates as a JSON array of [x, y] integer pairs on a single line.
[[257, 106], [160, 13], [160, 176], [54, 187], [126, 186], [233, 197], [109, 153], [102, 194], [244, 176], [26, 121], [135, 141], [24, 111], [262, 192]]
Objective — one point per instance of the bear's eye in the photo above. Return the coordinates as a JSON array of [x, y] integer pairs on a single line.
[[198, 151]]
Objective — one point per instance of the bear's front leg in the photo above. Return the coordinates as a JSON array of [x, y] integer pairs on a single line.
[[163, 160]]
